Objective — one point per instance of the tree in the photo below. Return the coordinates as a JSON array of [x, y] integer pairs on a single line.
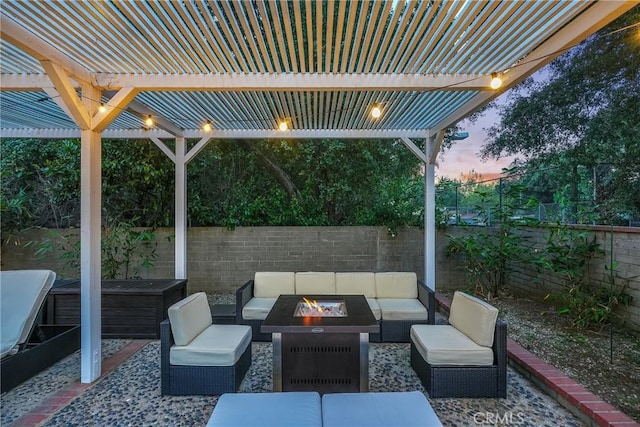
[[230, 183], [586, 114]]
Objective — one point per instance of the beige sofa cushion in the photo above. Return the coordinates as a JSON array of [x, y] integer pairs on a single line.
[[189, 317], [217, 345], [316, 283], [360, 283], [272, 284], [402, 309], [443, 345], [396, 285], [473, 317], [258, 308]]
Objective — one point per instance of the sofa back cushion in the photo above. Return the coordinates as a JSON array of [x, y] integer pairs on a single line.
[[316, 283], [396, 285], [189, 317], [356, 284], [474, 318], [272, 284]]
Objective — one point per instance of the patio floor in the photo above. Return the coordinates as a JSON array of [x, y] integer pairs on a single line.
[[129, 392]]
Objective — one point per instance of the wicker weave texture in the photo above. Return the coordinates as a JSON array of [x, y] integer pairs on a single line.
[[205, 380], [466, 381]]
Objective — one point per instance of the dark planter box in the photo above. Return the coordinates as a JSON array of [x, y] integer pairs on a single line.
[[131, 308]]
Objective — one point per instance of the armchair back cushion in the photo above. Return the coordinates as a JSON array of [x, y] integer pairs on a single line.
[[189, 317], [396, 285], [316, 283], [474, 318], [356, 284], [272, 284]]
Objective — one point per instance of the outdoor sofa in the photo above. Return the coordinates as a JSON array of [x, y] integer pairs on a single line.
[[467, 357], [198, 357], [28, 346], [397, 299]]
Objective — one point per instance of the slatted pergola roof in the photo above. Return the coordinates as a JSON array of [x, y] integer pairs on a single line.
[[248, 65]]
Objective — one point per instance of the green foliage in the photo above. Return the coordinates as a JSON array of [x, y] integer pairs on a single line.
[[230, 183], [588, 303], [577, 127], [592, 308], [490, 255], [125, 249]]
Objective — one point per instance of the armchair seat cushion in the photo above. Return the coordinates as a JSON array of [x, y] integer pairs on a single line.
[[258, 308], [444, 345], [402, 309], [217, 345]]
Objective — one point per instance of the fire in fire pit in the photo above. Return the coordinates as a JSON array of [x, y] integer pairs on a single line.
[[308, 308]]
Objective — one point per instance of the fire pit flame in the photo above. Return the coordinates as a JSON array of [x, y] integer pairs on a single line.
[[313, 308]]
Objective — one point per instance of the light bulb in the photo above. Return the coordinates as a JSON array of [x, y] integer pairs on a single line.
[[283, 126], [496, 81], [148, 121], [206, 126], [376, 112], [102, 108]]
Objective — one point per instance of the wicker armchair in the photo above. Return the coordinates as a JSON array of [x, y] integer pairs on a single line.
[[187, 367], [466, 362]]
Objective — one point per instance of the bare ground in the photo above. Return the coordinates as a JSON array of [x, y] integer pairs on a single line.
[[606, 362]]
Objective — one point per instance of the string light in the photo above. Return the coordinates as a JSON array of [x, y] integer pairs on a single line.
[[102, 108], [207, 126], [148, 121], [283, 126], [496, 81], [376, 111]]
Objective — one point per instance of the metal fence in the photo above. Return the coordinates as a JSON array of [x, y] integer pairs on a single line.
[[461, 204]]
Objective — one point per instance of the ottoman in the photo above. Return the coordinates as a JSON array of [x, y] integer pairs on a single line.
[[289, 409], [388, 409]]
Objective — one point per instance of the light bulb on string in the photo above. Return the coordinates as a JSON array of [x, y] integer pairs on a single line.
[[207, 126], [376, 111], [496, 81], [102, 108], [148, 121], [283, 126]]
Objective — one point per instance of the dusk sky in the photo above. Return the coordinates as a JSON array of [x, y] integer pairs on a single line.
[[464, 156]]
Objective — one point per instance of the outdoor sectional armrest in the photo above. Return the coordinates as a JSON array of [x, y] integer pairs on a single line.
[[500, 356], [428, 298], [243, 295]]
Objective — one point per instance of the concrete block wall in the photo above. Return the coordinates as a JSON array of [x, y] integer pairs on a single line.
[[221, 260]]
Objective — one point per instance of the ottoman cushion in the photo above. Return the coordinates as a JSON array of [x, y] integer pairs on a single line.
[[406, 409], [290, 409]]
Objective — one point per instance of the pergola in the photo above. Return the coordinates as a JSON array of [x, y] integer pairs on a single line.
[[93, 69]]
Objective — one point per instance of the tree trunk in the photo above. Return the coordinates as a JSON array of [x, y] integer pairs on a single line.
[[280, 175]]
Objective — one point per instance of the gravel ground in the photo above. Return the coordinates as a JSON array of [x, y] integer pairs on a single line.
[[608, 365]]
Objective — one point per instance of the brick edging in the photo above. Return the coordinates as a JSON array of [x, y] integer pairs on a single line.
[[67, 394], [589, 407]]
